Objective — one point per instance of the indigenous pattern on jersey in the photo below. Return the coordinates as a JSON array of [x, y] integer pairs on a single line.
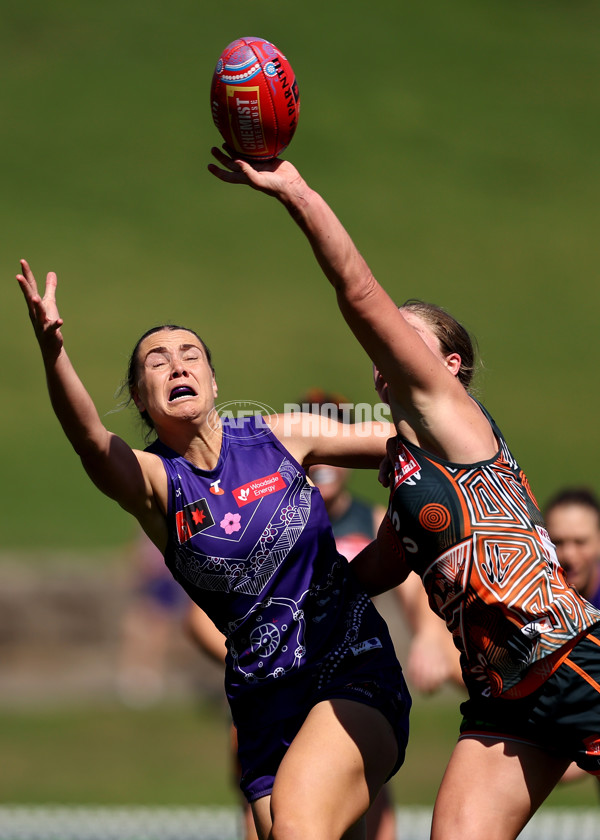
[[251, 544], [476, 537]]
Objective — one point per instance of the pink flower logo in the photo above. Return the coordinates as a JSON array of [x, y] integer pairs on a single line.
[[230, 523]]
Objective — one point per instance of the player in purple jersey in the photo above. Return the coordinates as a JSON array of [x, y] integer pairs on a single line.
[[315, 689], [463, 517]]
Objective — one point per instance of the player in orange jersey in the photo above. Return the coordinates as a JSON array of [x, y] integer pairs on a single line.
[[462, 516]]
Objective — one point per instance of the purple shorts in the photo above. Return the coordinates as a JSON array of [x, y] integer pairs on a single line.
[[376, 682]]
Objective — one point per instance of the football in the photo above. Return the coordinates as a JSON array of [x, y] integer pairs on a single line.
[[254, 98]]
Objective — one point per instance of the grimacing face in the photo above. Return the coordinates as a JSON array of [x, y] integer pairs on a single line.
[[174, 376], [575, 531]]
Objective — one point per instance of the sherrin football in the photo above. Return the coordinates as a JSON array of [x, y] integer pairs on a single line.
[[254, 98]]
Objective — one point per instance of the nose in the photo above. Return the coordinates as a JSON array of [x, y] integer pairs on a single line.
[[178, 369]]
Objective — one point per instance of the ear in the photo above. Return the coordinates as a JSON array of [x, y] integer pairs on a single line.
[[453, 362], [215, 387], [139, 404]]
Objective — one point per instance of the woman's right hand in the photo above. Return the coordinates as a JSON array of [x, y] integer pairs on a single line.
[[275, 177], [43, 311]]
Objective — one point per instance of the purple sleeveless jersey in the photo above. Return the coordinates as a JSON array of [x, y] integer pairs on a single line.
[[251, 543]]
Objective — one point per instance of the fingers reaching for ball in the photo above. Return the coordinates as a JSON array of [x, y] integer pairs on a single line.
[[273, 177]]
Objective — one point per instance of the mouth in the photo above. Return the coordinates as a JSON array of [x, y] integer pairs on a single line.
[[181, 391]]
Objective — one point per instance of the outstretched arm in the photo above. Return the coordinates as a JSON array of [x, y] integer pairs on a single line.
[[368, 309], [111, 464], [427, 392], [318, 439]]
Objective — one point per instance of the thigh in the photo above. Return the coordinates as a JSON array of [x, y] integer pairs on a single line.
[[491, 788], [332, 771]]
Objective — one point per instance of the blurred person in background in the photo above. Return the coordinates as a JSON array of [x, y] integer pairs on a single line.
[[573, 520], [203, 633], [155, 607]]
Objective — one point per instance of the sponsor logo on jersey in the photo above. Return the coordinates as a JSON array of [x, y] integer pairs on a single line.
[[215, 489], [405, 465], [193, 519], [536, 628], [259, 487], [592, 745], [368, 644]]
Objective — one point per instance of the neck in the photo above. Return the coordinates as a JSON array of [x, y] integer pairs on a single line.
[[200, 446]]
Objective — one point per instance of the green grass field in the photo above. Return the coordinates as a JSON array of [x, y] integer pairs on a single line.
[[178, 755], [458, 142]]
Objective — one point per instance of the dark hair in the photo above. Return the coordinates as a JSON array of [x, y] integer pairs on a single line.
[[581, 496], [453, 337], [132, 367]]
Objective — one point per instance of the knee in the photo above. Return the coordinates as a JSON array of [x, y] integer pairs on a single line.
[[288, 827], [300, 824]]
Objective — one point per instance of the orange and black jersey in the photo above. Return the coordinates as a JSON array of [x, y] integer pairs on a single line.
[[476, 537]]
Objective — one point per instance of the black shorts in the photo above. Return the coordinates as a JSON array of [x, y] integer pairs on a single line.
[[562, 717], [261, 749]]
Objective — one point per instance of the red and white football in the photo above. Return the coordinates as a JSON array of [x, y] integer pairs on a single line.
[[254, 98]]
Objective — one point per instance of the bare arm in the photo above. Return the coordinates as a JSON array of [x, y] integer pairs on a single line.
[[117, 470], [430, 397], [358, 291], [316, 439], [380, 566], [204, 634], [433, 658]]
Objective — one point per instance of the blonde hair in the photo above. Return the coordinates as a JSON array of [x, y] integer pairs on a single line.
[[451, 334]]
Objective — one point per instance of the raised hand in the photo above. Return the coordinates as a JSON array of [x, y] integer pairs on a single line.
[[43, 311], [275, 177]]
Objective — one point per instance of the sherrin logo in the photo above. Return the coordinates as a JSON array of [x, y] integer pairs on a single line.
[[255, 490]]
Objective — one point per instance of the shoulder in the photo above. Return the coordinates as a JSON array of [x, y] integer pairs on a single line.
[[152, 467]]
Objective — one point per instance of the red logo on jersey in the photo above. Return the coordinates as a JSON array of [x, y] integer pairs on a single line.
[[254, 490], [592, 745], [404, 465], [193, 519]]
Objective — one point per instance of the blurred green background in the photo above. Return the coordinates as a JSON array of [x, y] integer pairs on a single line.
[[458, 142], [177, 754]]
